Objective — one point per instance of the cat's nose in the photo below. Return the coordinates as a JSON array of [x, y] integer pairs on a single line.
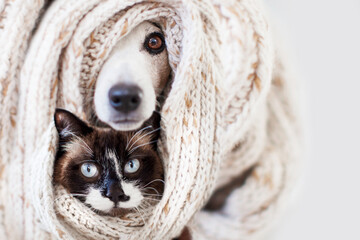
[[115, 193]]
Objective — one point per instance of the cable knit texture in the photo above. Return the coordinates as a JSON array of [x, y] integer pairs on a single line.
[[229, 108]]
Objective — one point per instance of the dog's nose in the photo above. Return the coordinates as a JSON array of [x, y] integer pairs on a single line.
[[125, 98], [115, 193]]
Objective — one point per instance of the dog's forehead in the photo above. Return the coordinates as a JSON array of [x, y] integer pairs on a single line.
[[139, 33], [147, 27]]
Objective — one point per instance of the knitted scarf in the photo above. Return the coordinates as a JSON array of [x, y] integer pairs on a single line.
[[228, 109]]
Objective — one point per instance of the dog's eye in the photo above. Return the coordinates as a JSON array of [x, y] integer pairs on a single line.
[[154, 43]]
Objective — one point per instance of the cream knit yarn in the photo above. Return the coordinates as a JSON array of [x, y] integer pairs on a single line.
[[228, 109]]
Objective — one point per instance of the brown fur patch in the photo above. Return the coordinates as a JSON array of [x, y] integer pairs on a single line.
[[79, 144], [219, 197]]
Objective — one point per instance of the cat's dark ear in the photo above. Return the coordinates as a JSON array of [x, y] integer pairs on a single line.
[[154, 121], [68, 125]]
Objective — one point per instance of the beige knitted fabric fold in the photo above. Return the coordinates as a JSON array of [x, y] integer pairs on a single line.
[[228, 109]]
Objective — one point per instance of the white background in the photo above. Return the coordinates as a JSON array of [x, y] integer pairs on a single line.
[[324, 39]]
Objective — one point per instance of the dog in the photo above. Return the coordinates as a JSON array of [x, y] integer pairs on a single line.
[[132, 78]]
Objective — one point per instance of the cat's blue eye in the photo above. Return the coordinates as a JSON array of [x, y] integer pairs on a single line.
[[132, 166], [89, 170]]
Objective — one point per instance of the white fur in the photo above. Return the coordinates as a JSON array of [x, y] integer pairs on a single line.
[[112, 155], [97, 201], [130, 63], [135, 195]]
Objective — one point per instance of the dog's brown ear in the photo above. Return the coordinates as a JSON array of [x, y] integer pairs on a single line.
[[68, 125]]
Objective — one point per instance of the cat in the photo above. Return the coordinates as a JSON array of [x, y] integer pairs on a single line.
[[111, 172]]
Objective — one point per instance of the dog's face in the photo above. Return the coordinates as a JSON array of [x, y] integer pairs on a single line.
[[132, 77]]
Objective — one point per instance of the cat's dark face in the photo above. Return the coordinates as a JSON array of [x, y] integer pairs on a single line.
[[112, 172]]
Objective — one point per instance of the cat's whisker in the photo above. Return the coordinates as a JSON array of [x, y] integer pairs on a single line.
[[152, 195], [144, 192], [151, 188], [127, 141], [152, 199], [147, 134], [132, 150], [145, 207], [86, 146], [155, 180], [136, 134], [82, 142], [140, 215]]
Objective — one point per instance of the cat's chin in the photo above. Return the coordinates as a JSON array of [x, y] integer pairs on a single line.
[[117, 212]]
